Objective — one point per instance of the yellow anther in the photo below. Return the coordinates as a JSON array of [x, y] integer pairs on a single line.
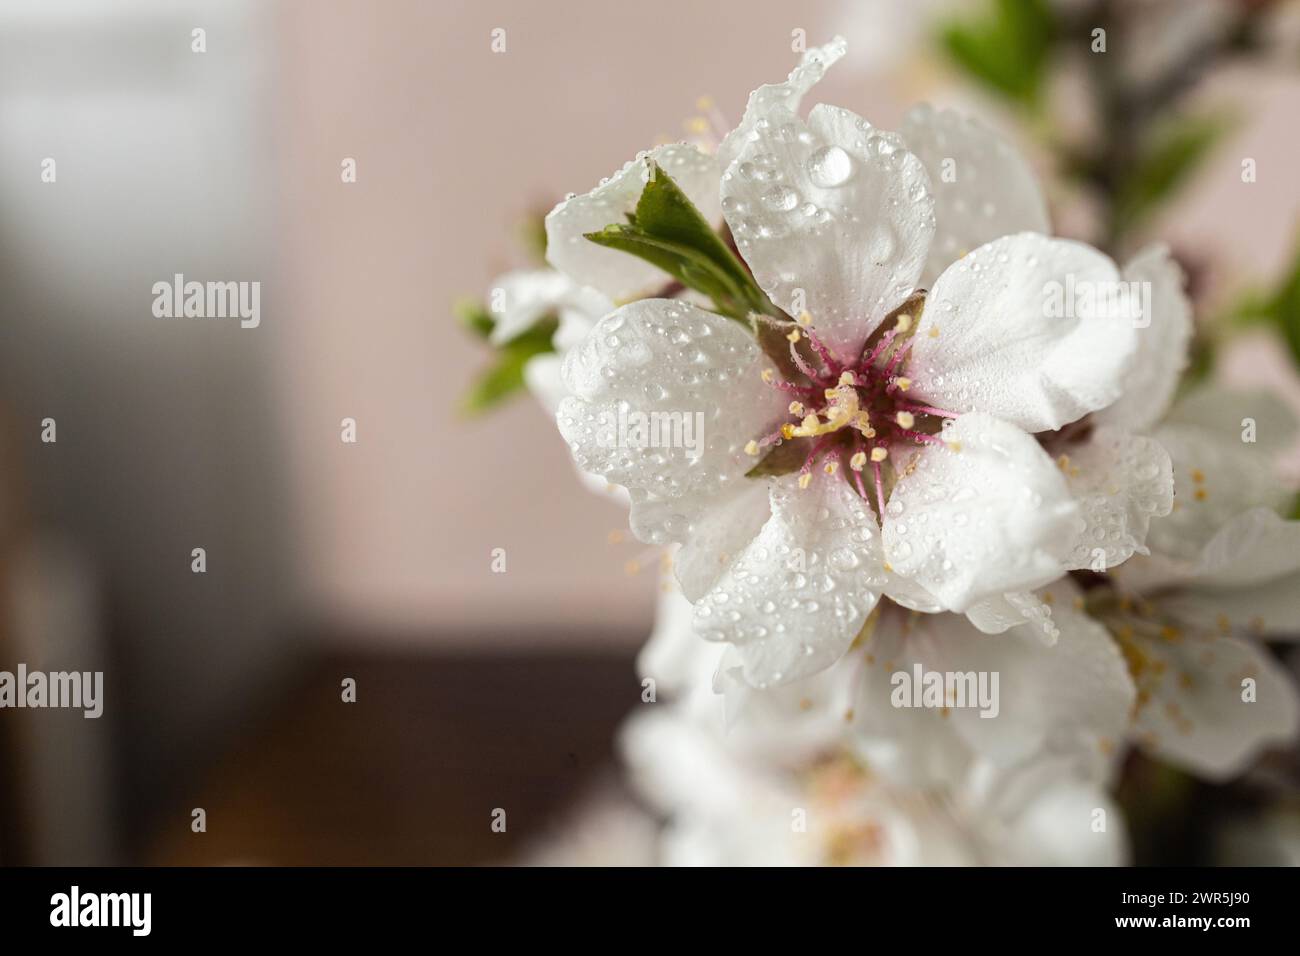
[[787, 431], [934, 331], [767, 375], [795, 335], [804, 319], [831, 467], [879, 454], [805, 479], [796, 408], [810, 422], [697, 124], [1201, 494], [905, 419], [1063, 463], [1170, 633], [751, 447], [903, 384], [848, 378], [1224, 624], [704, 104], [954, 446], [858, 461], [615, 536], [1198, 476], [904, 323]]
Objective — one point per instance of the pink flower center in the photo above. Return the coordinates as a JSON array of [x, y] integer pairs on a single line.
[[858, 409]]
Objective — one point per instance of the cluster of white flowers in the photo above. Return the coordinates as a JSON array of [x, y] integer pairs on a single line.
[[961, 547]]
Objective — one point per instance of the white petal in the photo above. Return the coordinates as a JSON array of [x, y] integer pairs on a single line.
[[1121, 481], [519, 299], [1000, 613], [983, 189], [794, 600], [1190, 706], [1247, 578], [1045, 814], [992, 517], [619, 275], [1218, 474], [720, 536], [1014, 329], [523, 297], [542, 374], [691, 373], [791, 724], [674, 657], [909, 746], [1071, 698], [834, 218], [1162, 344], [774, 102]]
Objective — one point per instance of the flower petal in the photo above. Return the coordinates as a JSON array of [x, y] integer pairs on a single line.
[[1072, 697], [1162, 344], [983, 188], [834, 218], [1218, 473], [1000, 613], [664, 368], [1022, 328], [909, 746], [796, 597], [989, 517], [774, 102], [618, 275], [1247, 578], [1190, 701], [523, 297], [720, 536], [1121, 481]]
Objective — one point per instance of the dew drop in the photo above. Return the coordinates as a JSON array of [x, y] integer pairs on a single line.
[[830, 166]]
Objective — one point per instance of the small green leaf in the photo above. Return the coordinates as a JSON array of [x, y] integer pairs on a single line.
[[474, 317], [669, 232], [505, 376], [1285, 307], [1005, 49], [1165, 165]]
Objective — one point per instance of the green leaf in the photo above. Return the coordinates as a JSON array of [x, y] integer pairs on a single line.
[[668, 231], [1285, 307], [505, 376], [1165, 165], [474, 317], [1006, 49]]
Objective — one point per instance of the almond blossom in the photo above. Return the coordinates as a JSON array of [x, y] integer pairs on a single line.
[[911, 419]]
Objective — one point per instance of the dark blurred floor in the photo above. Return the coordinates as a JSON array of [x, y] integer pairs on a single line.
[[411, 773]]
